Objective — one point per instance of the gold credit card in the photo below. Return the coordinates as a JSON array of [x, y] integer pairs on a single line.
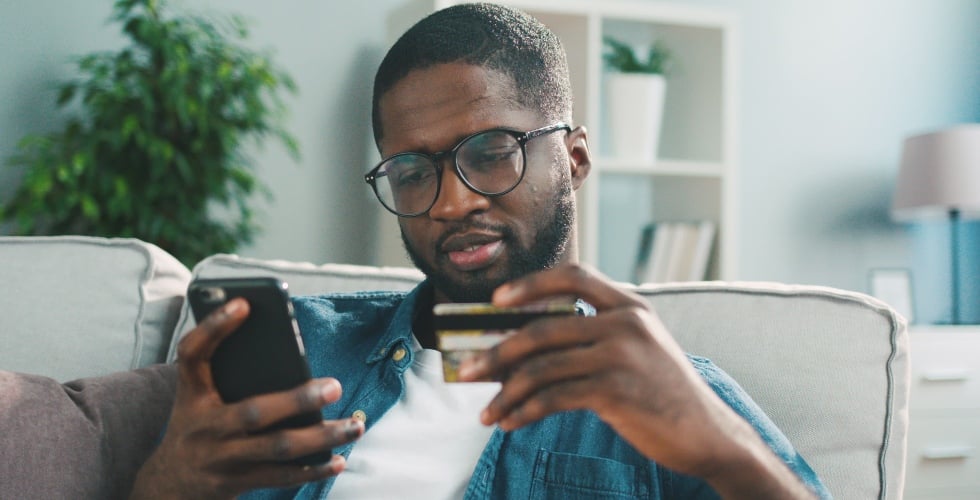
[[465, 329]]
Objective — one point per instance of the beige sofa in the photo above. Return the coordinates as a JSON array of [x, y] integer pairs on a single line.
[[829, 366]]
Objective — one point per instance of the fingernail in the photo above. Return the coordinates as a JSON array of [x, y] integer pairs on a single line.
[[471, 367], [233, 307], [328, 391], [337, 464], [506, 292], [353, 428], [465, 371]]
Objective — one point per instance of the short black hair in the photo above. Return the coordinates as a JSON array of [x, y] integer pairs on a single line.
[[487, 35]]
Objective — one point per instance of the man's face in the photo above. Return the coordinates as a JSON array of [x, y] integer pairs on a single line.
[[468, 243]]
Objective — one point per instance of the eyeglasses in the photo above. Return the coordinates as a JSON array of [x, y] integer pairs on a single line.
[[490, 163]]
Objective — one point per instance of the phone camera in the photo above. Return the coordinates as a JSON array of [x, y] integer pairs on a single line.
[[213, 294]]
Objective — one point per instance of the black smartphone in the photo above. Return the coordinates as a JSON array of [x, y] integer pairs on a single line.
[[265, 354]]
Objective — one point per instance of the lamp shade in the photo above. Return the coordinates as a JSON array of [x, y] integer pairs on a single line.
[[940, 173]]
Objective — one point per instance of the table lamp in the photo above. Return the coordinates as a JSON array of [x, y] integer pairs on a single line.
[[940, 177]]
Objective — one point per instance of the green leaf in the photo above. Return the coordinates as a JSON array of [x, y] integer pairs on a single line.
[[78, 163], [161, 132], [622, 57], [121, 188], [130, 125], [63, 173], [183, 168], [40, 183], [90, 208], [65, 95]]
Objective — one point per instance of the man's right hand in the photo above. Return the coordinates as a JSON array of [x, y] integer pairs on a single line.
[[217, 450]]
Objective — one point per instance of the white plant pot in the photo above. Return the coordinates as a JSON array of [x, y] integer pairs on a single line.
[[634, 109]]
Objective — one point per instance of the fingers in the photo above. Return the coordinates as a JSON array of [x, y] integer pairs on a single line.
[[540, 365], [540, 385], [221, 450], [272, 475], [259, 412], [555, 334], [574, 279], [537, 336], [228, 483], [565, 396], [559, 364], [289, 444], [247, 454], [196, 348]]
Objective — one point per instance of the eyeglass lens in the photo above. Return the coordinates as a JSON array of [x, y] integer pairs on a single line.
[[490, 163]]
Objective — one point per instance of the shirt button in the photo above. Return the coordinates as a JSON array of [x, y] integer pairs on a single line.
[[399, 354], [359, 415]]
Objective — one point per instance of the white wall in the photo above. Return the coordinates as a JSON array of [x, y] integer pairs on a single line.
[[828, 90]]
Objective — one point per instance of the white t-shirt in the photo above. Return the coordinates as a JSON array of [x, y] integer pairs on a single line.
[[427, 445]]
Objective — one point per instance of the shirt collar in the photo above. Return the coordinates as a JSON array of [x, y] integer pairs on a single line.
[[399, 331]]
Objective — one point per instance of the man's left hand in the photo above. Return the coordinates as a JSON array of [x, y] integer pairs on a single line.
[[625, 366]]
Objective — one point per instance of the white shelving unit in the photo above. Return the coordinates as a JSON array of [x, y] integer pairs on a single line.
[[944, 413], [693, 179]]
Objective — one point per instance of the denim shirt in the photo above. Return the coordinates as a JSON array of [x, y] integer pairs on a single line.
[[364, 340]]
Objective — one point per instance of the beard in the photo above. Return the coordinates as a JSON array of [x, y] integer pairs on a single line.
[[554, 232]]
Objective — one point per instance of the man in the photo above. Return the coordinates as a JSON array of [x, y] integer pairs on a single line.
[[471, 108]]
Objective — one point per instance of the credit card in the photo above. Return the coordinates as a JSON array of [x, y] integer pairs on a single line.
[[465, 329]]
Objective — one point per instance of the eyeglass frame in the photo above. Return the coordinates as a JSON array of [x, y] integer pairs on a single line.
[[436, 158]]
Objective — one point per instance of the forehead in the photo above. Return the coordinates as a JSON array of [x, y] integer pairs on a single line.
[[430, 109]]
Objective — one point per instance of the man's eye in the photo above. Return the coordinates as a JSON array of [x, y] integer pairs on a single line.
[[414, 177], [491, 157]]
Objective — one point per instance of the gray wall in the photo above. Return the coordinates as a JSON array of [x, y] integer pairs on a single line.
[[828, 90]]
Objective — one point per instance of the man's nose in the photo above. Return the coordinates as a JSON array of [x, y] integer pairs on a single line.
[[456, 201]]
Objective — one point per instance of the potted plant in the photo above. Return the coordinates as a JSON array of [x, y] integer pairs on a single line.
[[634, 95], [158, 151]]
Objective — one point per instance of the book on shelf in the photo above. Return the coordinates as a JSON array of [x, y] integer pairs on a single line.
[[654, 264], [681, 249], [698, 270], [674, 251], [643, 253]]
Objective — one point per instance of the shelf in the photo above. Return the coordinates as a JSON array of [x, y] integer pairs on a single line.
[[919, 329], [665, 167]]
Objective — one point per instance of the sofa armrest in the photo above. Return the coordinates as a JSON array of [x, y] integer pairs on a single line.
[[829, 366], [81, 306]]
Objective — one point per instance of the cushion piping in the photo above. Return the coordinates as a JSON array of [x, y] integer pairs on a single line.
[[404, 274], [148, 272]]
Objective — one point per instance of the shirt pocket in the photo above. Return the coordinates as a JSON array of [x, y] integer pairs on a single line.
[[565, 476]]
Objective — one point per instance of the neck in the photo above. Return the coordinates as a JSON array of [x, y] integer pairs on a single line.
[[422, 319]]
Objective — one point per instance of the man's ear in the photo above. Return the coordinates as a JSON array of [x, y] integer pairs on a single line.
[[580, 159]]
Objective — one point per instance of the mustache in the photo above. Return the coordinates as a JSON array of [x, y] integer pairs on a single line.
[[456, 228]]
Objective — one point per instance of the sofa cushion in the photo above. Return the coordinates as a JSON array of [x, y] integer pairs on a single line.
[[303, 278], [84, 439], [830, 367], [80, 306]]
